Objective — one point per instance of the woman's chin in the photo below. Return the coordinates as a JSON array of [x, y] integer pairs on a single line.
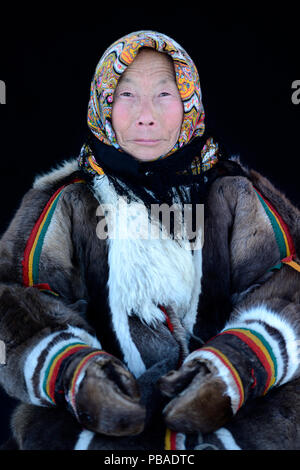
[[148, 153]]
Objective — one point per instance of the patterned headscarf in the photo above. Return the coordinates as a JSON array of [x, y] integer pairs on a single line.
[[112, 65]]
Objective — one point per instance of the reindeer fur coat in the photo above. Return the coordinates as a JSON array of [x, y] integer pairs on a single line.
[[77, 293]]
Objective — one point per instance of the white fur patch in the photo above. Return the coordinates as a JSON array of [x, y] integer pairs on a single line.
[[144, 272], [227, 439], [86, 337], [84, 440], [180, 441], [263, 313], [67, 167]]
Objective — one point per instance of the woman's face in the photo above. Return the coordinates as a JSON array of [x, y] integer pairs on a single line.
[[147, 110]]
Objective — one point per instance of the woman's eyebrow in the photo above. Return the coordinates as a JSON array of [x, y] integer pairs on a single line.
[[165, 80], [125, 79]]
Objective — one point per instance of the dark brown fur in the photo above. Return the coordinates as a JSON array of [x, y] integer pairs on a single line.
[[239, 248]]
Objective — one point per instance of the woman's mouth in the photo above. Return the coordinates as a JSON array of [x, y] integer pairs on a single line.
[[147, 142]]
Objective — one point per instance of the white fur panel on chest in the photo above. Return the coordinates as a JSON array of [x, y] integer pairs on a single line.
[[146, 272]]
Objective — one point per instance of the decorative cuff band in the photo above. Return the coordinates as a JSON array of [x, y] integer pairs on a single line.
[[56, 365], [78, 376], [245, 362], [48, 358], [255, 352], [264, 370]]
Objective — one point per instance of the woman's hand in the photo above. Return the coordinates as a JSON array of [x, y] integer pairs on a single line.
[[199, 401], [105, 399], [214, 381]]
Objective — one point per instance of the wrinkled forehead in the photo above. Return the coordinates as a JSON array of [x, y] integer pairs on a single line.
[[123, 52], [150, 64]]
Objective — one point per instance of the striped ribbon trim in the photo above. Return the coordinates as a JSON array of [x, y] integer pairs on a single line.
[[170, 439], [76, 376], [32, 253], [235, 375], [281, 232], [168, 321], [170, 436], [261, 349], [52, 370]]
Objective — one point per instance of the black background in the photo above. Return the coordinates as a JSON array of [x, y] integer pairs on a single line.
[[247, 65]]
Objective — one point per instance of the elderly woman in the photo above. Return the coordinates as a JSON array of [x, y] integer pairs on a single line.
[[119, 339]]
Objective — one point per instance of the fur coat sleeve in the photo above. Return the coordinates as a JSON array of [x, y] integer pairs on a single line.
[[249, 309], [42, 283], [52, 280]]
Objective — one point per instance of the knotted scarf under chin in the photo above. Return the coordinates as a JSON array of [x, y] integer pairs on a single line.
[[182, 177]]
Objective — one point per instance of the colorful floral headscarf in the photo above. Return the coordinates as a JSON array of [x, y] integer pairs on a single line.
[[112, 65]]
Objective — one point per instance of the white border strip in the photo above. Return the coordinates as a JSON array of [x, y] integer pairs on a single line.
[[227, 439], [84, 440], [261, 312]]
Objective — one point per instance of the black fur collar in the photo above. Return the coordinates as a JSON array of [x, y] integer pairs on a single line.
[[157, 181]]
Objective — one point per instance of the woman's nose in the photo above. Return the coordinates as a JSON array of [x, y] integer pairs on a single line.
[[146, 115]]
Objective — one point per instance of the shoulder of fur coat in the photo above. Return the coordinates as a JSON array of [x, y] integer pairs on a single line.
[[54, 175]]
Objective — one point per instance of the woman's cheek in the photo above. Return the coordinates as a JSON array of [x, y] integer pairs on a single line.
[[173, 114], [120, 115]]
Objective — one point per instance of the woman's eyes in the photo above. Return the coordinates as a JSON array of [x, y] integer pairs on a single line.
[[129, 94], [126, 93]]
